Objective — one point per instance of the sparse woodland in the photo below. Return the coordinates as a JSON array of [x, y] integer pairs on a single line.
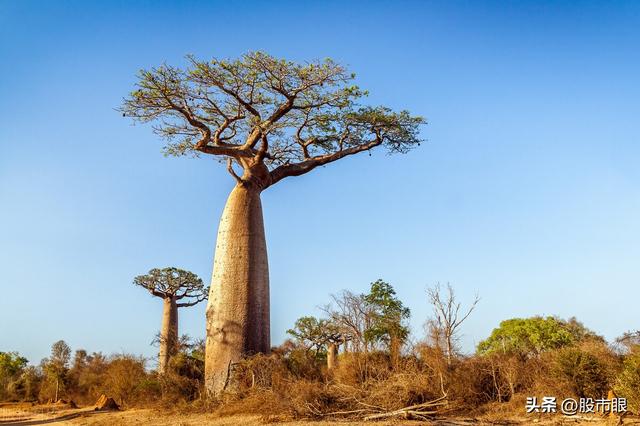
[[357, 360], [271, 120]]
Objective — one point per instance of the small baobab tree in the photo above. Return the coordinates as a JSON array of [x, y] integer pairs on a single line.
[[178, 289], [320, 335], [270, 119]]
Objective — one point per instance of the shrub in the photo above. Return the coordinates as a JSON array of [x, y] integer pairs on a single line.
[[183, 380], [584, 373], [628, 381], [127, 381]]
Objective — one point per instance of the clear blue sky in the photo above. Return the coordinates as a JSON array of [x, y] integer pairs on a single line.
[[528, 191]]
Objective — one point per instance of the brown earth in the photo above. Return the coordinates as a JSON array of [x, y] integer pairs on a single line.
[[24, 414]]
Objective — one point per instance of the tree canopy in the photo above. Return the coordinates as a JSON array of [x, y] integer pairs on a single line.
[[11, 363], [275, 118], [174, 283], [316, 333], [531, 336], [388, 314]]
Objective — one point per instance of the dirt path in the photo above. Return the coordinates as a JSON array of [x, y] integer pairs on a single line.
[[43, 415]]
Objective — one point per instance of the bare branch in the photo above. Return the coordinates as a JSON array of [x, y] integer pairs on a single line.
[[310, 164], [232, 172]]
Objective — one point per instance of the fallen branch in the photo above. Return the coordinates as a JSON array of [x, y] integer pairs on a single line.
[[342, 413], [418, 411]]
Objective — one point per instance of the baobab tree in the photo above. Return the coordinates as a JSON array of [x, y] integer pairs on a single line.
[[320, 335], [178, 289], [269, 119]]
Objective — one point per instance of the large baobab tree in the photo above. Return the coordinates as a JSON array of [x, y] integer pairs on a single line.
[[269, 119], [178, 289]]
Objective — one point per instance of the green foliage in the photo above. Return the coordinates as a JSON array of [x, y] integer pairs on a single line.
[[628, 381], [307, 110], [314, 333], [532, 336], [174, 282], [12, 366], [303, 364], [388, 314], [56, 368]]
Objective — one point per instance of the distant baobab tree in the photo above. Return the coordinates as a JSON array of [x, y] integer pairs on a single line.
[[178, 289], [269, 119], [320, 335]]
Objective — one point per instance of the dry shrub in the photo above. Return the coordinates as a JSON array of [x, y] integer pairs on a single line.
[[266, 384], [183, 380], [475, 381], [260, 372], [400, 390], [500, 412], [87, 378], [584, 371], [293, 383], [628, 381], [311, 399], [356, 368], [305, 364], [127, 381]]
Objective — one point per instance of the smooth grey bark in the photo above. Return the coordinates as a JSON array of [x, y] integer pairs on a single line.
[[168, 333], [238, 307]]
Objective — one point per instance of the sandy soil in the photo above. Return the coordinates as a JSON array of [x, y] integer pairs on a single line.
[[25, 414]]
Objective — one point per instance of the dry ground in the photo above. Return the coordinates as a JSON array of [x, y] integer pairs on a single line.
[[25, 414]]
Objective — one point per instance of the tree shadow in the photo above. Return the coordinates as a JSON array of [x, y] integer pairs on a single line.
[[70, 416]]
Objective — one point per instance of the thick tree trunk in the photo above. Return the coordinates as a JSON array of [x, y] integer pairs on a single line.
[[168, 333], [332, 356], [238, 307]]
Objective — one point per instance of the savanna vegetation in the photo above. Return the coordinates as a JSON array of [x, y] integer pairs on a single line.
[[357, 359], [271, 119]]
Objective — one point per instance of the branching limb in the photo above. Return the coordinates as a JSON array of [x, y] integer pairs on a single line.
[[271, 114], [174, 283], [306, 166], [232, 172]]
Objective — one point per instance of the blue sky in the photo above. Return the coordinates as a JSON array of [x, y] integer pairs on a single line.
[[527, 192]]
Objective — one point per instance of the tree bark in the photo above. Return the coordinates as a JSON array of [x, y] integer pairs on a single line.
[[332, 356], [238, 307], [448, 335], [168, 333], [394, 351]]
